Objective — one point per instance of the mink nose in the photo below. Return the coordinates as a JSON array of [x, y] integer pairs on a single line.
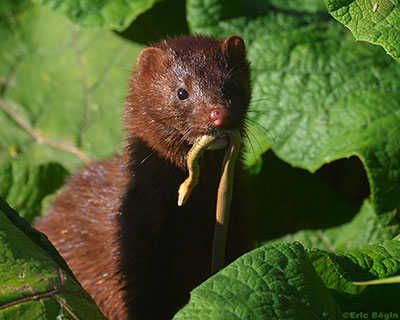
[[220, 117]]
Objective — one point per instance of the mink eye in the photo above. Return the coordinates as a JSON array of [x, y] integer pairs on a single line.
[[182, 94]]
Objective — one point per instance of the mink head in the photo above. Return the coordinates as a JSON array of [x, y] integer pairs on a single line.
[[186, 87]]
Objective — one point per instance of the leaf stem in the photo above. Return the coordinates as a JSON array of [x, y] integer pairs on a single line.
[[41, 139], [48, 294]]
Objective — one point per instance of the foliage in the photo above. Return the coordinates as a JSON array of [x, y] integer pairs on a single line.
[[373, 21], [263, 284], [35, 281], [286, 281], [101, 13], [319, 97]]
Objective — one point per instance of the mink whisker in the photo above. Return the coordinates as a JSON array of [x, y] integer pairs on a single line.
[[249, 132], [230, 71], [260, 128], [246, 134], [141, 162], [182, 139], [257, 111], [262, 99]]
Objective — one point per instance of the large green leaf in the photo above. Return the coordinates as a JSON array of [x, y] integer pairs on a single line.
[[114, 14], [321, 95], [35, 282], [34, 235], [277, 281], [272, 282], [62, 90], [340, 271], [300, 5], [377, 22]]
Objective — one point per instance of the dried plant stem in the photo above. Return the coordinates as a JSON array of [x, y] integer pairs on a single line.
[[39, 138]]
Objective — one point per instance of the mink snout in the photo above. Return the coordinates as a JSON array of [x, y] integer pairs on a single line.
[[220, 117]]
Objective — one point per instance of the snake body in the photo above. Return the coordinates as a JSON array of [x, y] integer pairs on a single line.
[[193, 156], [224, 196]]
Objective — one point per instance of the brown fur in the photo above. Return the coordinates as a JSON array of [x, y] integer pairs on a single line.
[[117, 222]]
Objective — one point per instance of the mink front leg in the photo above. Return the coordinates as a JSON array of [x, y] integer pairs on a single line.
[[145, 262], [150, 233], [165, 249]]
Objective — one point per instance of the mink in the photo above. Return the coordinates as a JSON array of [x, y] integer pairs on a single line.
[[117, 223]]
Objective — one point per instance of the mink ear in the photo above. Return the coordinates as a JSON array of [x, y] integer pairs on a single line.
[[149, 62], [235, 49]]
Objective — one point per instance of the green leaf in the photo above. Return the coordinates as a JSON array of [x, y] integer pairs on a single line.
[[9, 8], [111, 14], [63, 90], [340, 271], [377, 22], [34, 235], [35, 282], [365, 229], [276, 281], [272, 282], [25, 186], [300, 5], [321, 95]]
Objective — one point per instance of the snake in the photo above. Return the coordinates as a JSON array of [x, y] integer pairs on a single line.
[[224, 194]]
